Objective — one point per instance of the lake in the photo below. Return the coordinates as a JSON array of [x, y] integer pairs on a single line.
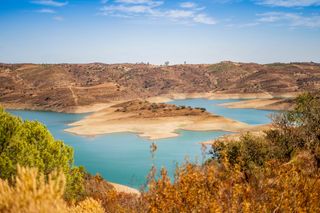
[[125, 158]]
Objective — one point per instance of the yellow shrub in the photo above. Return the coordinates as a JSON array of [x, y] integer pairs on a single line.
[[31, 193]]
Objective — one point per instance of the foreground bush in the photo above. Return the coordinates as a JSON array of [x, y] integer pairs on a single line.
[[223, 188], [278, 172], [32, 192]]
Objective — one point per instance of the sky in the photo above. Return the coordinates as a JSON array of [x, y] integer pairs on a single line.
[[155, 31]]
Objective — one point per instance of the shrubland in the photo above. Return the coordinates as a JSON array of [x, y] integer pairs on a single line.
[[33, 192], [275, 172]]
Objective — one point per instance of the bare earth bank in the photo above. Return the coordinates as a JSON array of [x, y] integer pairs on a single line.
[[151, 120], [265, 104]]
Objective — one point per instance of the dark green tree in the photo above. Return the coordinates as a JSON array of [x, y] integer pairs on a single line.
[[30, 144]]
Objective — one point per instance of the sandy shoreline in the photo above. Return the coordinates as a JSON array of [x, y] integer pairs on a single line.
[[157, 99], [220, 96], [153, 126], [254, 131], [124, 189], [263, 104]]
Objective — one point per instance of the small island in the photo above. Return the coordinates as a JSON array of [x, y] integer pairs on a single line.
[[152, 120]]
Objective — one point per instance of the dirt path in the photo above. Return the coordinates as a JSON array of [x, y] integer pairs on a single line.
[[75, 98]]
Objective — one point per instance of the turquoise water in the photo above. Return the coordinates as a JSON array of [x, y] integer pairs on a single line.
[[125, 158], [250, 116]]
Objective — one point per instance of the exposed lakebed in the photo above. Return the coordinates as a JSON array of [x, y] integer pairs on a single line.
[[125, 158]]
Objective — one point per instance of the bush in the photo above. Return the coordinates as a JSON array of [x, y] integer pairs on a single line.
[[33, 192], [248, 152], [298, 129], [220, 187]]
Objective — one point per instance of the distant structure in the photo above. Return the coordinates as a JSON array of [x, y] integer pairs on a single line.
[[185, 62], [167, 63]]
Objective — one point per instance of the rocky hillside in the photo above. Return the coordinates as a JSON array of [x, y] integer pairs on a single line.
[[62, 86]]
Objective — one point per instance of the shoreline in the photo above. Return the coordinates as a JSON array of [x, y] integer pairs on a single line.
[[154, 129], [254, 131], [156, 99], [120, 188], [152, 121], [277, 104]]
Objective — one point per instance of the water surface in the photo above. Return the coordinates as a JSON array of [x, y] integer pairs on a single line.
[[125, 157]]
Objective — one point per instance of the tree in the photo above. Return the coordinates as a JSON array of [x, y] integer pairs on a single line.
[[30, 144], [167, 63], [299, 129]]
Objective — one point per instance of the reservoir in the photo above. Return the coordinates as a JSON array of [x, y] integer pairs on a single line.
[[125, 158]]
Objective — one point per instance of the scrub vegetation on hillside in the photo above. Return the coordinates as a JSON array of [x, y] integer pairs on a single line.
[[277, 172], [65, 87]]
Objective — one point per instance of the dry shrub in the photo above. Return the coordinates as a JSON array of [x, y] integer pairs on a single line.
[[89, 205], [220, 187], [33, 193]]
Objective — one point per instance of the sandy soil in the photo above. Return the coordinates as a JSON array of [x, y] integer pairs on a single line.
[[266, 104], [109, 121], [254, 130], [169, 97], [124, 189], [220, 96]]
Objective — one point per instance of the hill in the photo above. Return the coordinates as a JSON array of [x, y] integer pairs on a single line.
[[66, 87]]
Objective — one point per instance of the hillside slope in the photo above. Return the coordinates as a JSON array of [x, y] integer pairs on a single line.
[[64, 87]]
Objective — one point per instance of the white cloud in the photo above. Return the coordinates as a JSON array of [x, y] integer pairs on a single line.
[[188, 12], [46, 10], [204, 19], [177, 14], [188, 5], [152, 3], [289, 3], [125, 9], [291, 19], [50, 3]]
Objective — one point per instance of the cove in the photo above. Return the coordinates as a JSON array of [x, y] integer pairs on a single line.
[[125, 158]]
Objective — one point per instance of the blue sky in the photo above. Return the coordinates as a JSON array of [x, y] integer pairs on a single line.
[[155, 31]]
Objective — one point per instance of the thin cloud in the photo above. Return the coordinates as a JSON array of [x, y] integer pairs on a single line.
[[289, 3], [46, 10], [51, 3], [290, 19], [145, 2], [188, 5], [125, 9], [188, 12], [58, 18], [204, 19], [178, 14]]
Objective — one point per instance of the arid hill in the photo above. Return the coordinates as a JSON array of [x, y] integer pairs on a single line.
[[64, 87]]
